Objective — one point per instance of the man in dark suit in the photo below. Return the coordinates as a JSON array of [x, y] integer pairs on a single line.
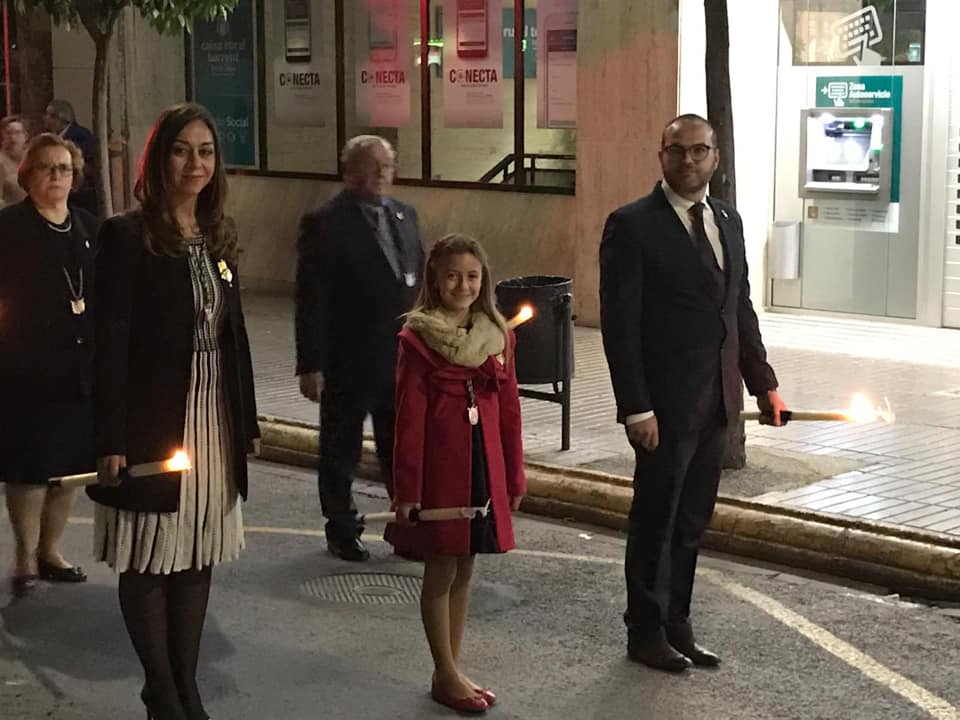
[[61, 120], [678, 331], [359, 270]]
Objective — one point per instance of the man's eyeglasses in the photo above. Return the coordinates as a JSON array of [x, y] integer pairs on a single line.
[[54, 170], [679, 152]]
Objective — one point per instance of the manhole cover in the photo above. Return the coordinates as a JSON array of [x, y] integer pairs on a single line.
[[368, 588]]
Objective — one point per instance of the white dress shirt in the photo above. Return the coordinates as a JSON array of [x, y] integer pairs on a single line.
[[681, 206]]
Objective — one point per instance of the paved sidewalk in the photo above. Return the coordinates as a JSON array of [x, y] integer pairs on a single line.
[[907, 473]]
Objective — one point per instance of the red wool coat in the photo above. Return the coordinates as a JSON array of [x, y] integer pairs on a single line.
[[432, 449]]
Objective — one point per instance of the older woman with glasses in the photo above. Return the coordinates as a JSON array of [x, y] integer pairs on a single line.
[[46, 334]]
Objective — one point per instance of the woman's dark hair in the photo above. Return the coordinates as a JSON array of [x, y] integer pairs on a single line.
[[153, 189]]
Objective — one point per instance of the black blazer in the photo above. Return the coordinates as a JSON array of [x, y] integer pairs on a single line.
[[45, 350], [668, 336], [349, 304], [144, 336], [86, 195]]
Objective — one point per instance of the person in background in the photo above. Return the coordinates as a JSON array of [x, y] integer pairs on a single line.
[[60, 118], [458, 444], [172, 371], [47, 250], [360, 261], [13, 145]]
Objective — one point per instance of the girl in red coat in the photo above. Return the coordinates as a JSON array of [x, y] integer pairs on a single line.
[[457, 444]]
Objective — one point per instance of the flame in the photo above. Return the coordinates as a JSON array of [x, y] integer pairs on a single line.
[[862, 410], [525, 313], [179, 461]]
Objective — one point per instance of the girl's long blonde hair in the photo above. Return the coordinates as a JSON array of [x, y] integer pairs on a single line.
[[429, 297]]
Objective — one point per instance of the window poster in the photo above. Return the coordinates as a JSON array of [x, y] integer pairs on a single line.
[[302, 82], [472, 64], [557, 63], [224, 80], [382, 75]]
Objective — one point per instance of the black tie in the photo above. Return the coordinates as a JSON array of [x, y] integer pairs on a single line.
[[700, 239]]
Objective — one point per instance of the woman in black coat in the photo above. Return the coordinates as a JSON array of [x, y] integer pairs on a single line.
[[172, 372], [46, 344]]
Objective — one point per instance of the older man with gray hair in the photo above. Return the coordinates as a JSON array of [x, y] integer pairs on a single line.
[[359, 269]]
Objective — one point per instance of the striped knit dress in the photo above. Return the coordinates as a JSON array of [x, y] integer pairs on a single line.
[[207, 529]]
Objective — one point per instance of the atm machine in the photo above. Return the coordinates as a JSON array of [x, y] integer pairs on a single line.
[[846, 151], [840, 244]]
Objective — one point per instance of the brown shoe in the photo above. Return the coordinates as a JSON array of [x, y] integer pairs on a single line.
[[657, 653]]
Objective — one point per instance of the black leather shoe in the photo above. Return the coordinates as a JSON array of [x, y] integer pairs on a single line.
[[681, 638], [352, 550], [59, 574], [657, 653]]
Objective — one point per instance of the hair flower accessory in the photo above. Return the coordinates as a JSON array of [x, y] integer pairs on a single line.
[[225, 272]]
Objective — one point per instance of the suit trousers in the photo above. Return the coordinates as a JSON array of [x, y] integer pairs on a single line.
[[674, 492], [343, 411]]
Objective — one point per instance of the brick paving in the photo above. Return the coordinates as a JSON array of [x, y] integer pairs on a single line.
[[908, 473]]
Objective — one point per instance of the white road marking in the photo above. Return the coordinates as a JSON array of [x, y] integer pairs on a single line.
[[933, 705]]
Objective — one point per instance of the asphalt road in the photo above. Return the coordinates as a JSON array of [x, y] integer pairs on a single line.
[[545, 632]]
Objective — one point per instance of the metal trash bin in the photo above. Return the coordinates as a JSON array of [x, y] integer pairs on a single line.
[[544, 353]]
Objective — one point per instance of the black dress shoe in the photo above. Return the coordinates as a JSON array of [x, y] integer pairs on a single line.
[[681, 638], [353, 550], [657, 653], [59, 574]]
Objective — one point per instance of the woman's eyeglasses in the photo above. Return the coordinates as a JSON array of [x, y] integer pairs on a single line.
[[54, 170]]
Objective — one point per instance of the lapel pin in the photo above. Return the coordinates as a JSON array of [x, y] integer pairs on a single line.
[[399, 215], [87, 244], [724, 213]]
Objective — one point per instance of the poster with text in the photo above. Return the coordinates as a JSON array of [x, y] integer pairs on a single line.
[[382, 75], [224, 80], [557, 63], [303, 84], [472, 64]]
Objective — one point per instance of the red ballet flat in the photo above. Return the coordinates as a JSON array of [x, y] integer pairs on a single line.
[[475, 704]]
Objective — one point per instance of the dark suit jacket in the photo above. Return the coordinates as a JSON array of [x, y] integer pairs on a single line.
[[144, 335], [86, 195], [45, 350], [667, 338], [349, 304]]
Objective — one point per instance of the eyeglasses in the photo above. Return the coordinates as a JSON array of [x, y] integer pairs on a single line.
[[679, 152], [54, 170]]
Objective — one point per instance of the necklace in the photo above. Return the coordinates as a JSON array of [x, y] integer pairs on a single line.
[[77, 304], [63, 227]]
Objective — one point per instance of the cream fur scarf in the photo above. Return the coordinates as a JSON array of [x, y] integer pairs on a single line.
[[468, 348]]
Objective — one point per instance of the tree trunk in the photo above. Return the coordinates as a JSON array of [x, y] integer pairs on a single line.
[[101, 123], [724, 182]]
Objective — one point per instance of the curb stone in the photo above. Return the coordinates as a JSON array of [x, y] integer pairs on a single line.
[[907, 561]]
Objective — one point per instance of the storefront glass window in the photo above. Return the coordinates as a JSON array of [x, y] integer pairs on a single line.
[[300, 69], [855, 32]]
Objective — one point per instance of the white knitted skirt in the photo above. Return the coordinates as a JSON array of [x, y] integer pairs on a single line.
[[207, 529]]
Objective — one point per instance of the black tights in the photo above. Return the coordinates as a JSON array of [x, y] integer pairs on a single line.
[[164, 616]]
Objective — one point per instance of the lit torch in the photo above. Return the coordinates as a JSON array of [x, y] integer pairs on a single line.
[[178, 462], [861, 410], [525, 313]]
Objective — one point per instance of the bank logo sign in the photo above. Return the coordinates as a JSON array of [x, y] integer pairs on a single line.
[[858, 31], [856, 92]]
